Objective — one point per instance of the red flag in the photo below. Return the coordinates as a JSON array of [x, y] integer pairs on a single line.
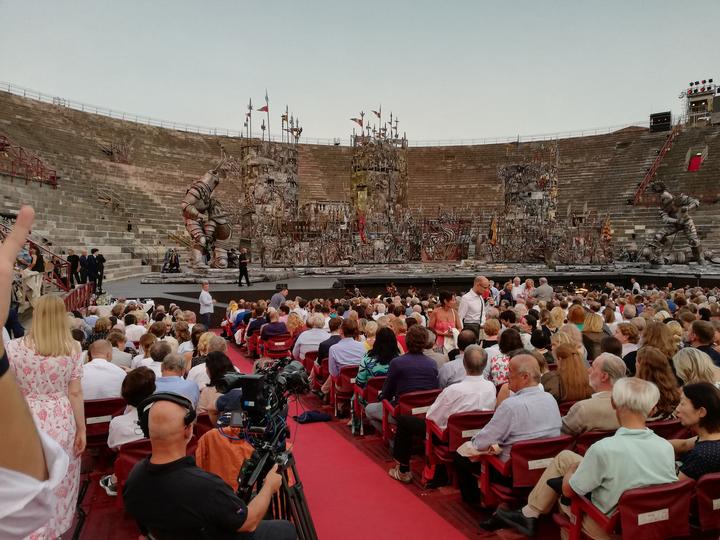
[[264, 108], [247, 115], [358, 121]]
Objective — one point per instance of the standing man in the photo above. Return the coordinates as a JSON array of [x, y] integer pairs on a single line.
[[100, 264], [91, 267], [74, 261], [544, 292], [242, 267], [278, 299], [83, 266], [207, 304], [472, 305]]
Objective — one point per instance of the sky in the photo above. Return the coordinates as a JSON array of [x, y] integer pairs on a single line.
[[448, 70]]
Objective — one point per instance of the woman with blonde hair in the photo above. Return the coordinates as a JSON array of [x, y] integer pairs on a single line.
[[295, 325], [693, 366], [592, 335], [371, 330], [48, 369], [658, 335], [576, 336], [653, 366], [570, 382], [555, 320]]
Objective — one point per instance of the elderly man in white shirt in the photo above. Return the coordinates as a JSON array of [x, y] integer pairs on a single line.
[[133, 331], [472, 305], [473, 393], [101, 378], [310, 339]]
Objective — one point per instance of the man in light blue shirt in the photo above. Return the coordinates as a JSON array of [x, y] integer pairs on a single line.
[[173, 369], [633, 457], [530, 413], [346, 352]]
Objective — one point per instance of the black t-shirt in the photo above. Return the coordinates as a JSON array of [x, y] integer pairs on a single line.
[[703, 459], [711, 352], [39, 265], [74, 261], [243, 259], [180, 500]]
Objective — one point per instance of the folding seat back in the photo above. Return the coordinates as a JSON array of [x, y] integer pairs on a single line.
[[462, 427], [203, 424], [341, 389], [322, 372], [309, 360], [373, 388], [529, 459], [656, 511], [278, 346], [587, 439], [565, 407], [669, 429], [708, 501], [98, 413], [416, 403]]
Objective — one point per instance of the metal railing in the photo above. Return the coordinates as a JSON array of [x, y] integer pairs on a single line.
[[652, 171], [335, 141]]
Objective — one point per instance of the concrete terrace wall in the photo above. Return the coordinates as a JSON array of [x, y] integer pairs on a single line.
[[601, 171]]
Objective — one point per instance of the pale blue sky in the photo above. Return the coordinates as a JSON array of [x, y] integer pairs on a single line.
[[449, 70]]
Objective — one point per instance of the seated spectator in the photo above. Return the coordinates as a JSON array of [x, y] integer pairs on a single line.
[[101, 328], [629, 336], [497, 369], [146, 341], [653, 366], [694, 366], [530, 413], [473, 393], [173, 369], [273, 327], [256, 323], [216, 366], [634, 457], [119, 357], [349, 351], [370, 331], [592, 334], [491, 331], [409, 372], [334, 329], [399, 326], [159, 330], [612, 345], [596, 412], [295, 325], [541, 344], [209, 343], [158, 351], [376, 362], [101, 379], [440, 358], [570, 381], [310, 339], [699, 410], [454, 371], [702, 336], [576, 336], [133, 330], [184, 337], [201, 339], [137, 386]]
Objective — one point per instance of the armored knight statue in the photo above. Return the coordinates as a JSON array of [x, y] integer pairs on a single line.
[[206, 220], [675, 215]]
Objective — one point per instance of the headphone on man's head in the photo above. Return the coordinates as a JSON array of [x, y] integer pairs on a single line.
[[146, 405]]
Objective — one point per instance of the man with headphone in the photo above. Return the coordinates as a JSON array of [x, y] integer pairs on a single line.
[[170, 497]]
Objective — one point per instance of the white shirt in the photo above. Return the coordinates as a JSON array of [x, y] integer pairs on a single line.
[[302, 313], [472, 308], [308, 341], [517, 291], [134, 332], [199, 376], [26, 504], [137, 359], [627, 348], [473, 393], [152, 364], [5, 336], [124, 429], [206, 303], [101, 379]]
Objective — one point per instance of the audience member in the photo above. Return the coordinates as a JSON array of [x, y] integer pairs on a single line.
[[454, 371], [209, 342], [273, 327], [570, 381], [498, 364], [217, 366], [471, 311], [101, 378], [694, 366], [701, 337], [120, 358], [133, 330], [332, 339], [171, 379], [628, 334], [653, 366], [376, 362]]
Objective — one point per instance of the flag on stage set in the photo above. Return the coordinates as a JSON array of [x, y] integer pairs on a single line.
[[376, 113], [264, 108], [358, 121]]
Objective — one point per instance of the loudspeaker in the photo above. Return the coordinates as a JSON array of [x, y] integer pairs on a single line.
[[661, 121]]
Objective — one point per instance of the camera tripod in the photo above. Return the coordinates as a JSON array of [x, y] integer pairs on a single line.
[[289, 502]]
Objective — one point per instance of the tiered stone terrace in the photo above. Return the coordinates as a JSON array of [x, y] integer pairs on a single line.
[[601, 171]]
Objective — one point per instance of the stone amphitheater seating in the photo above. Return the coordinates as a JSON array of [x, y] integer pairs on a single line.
[[601, 171]]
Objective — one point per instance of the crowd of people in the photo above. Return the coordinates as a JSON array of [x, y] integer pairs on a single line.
[[616, 359]]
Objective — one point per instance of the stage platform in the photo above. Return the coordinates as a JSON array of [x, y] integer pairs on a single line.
[[184, 288]]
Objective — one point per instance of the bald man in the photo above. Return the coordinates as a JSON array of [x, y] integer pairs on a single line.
[[529, 413], [168, 494], [472, 305], [101, 378]]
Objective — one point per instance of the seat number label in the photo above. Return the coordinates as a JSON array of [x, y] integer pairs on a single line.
[[653, 517]]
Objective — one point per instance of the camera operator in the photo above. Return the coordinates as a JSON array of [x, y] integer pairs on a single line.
[[170, 497]]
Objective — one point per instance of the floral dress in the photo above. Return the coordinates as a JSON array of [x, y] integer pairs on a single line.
[[44, 382], [499, 369]]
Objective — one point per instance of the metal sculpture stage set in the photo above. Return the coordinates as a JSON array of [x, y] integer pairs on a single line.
[[374, 224]]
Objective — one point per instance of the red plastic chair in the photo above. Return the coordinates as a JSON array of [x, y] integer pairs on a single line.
[[322, 372], [369, 393], [252, 345], [203, 424], [309, 360], [646, 513], [670, 429], [98, 413], [440, 444], [565, 407], [708, 502], [552, 367], [528, 460], [341, 389], [277, 346], [412, 403], [587, 439]]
